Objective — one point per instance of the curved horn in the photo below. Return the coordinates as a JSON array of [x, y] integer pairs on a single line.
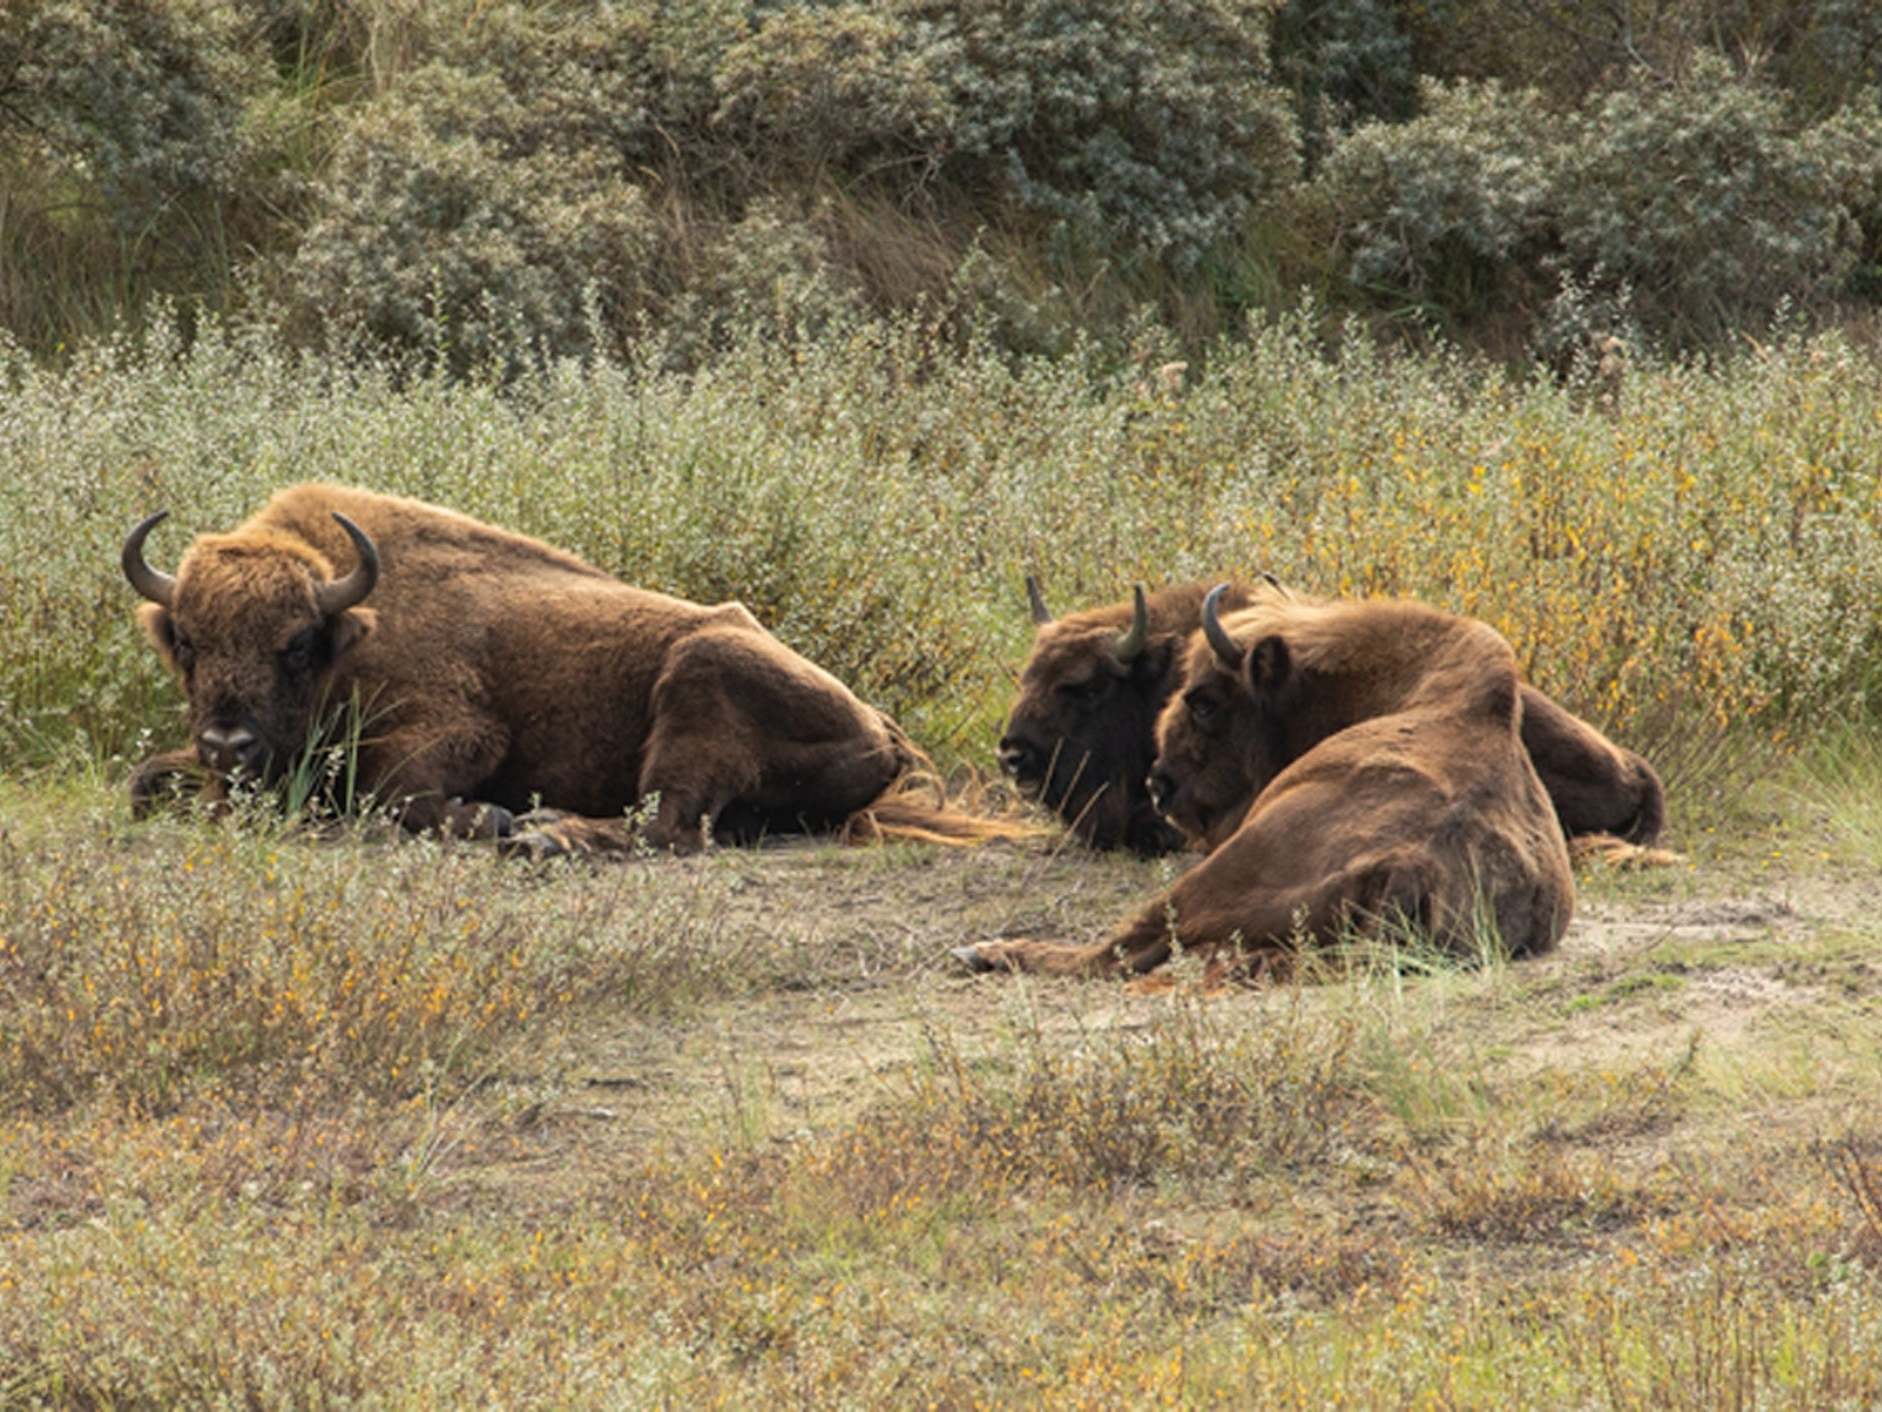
[[1130, 643], [155, 585], [1224, 645], [341, 594], [1041, 615]]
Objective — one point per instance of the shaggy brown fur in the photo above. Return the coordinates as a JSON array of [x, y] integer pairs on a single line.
[[494, 672], [1082, 735], [1391, 787]]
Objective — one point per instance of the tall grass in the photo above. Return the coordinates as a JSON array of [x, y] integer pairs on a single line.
[[1701, 558]]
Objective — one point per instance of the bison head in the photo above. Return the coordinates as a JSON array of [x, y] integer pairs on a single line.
[[1223, 735], [1078, 738], [254, 625]]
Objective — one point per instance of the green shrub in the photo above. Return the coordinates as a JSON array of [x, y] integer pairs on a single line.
[[1346, 62], [434, 231], [1448, 212], [1709, 200], [142, 102], [843, 87], [1149, 126]]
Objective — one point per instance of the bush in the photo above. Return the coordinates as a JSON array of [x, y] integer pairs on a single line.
[[1449, 211], [1710, 201], [436, 231], [1346, 62], [1147, 126], [141, 101]]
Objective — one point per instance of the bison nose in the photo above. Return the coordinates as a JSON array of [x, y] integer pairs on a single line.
[[1162, 786], [227, 748], [1017, 758]]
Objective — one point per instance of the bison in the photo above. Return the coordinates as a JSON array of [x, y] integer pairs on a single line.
[[1081, 736], [489, 674], [1390, 787]]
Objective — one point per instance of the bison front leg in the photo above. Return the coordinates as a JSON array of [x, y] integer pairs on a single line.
[[176, 777]]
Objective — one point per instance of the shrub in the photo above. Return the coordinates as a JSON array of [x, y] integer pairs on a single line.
[[844, 87], [141, 101], [1448, 211], [1346, 62], [1710, 200], [1147, 126], [435, 231]]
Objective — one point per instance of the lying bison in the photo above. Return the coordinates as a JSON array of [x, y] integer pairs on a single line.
[[1081, 735], [491, 673], [1390, 786]]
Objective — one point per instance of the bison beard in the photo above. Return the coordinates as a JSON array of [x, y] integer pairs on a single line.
[[498, 674], [1081, 736], [1391, 788]]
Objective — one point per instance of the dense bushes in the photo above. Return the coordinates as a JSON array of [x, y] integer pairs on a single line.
[[1702, 552], [450, 176]]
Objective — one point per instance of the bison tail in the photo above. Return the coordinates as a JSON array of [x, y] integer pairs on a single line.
[[918, 822], [1613, 851], [916, 808]]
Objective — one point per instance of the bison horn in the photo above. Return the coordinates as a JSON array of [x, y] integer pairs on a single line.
[[1273, 581], [1041, 614], [155, 585], [1224, 645], [1130, 643], [341, 594]]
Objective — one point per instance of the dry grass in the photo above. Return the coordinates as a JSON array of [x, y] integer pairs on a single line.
[[730, 1134], [296, 1119]]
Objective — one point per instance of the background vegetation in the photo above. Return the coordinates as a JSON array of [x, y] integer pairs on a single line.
[[857, 313], [1686, 553], [469, 174]]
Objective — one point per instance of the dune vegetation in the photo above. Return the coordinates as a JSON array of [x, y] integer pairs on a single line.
[[859, 314]]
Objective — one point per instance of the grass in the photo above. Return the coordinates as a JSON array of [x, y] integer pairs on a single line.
[[289, 1115], [712, 1148], [1692, 572]]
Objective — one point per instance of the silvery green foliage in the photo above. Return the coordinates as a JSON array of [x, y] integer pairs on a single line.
[[1711, 199], [1685, 207], [769, 273], [843, 86], [1147, 129], [1444, 210], [1150, 125], [438, 229], [1346, 62], [143, 101]]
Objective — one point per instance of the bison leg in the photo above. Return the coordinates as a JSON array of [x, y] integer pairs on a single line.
[[1595, 786], [746, 731], [172, 778]]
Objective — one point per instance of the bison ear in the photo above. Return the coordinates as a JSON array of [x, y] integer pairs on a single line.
[[160, 628], [1266, 666], [350, 629], [1154, 665]]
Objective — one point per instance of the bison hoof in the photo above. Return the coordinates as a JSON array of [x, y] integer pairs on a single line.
[[972, 959], [532, 843]]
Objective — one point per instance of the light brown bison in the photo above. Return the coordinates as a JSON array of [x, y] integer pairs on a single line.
[[1082, 733], [1390, 785], [492, 673]]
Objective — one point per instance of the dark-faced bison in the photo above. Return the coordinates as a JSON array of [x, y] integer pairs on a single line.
[[1389, 781], [492, 673], [1081, 735]]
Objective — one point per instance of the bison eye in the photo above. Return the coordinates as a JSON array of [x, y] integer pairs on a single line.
[[297, 657], [1201, 707], [1088, 690], [182, 649]]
